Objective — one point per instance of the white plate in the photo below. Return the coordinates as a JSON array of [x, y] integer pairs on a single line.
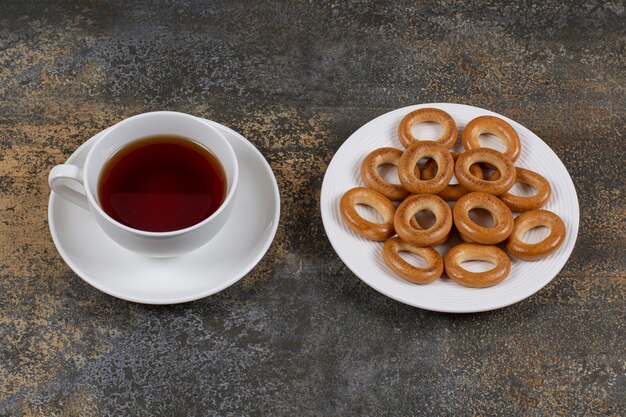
[[229, 256], [364, 257]]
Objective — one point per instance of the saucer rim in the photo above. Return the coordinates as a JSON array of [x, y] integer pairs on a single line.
[[181, 299]]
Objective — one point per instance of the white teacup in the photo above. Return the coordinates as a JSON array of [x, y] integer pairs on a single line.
[[84, 191]]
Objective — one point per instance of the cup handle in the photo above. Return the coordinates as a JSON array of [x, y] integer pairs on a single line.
[[61, 173]]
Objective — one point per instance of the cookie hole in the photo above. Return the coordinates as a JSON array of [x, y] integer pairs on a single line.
[[413, 259], [536, 234], [481, 217], [369, 213], [487, 140], [472, 171], [436, 170], [477, 266], [425, 218], [522, 189], [423, 161], [489, 170], [427, 131], [389, 172]]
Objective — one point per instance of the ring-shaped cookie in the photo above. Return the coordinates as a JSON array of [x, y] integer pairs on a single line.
[[475, 252], [529, 220], [374, 199], [426, 275], [518, 203], [373, 180], [423, 237], [447, 138], [485, 155], [409, 175], [470, 230], [452, 192], [495, 126]]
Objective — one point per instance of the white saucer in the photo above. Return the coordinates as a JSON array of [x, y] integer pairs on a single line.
[[364, 257], [229, 256]]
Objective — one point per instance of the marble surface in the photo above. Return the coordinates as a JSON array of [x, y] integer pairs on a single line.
[[301, 335]]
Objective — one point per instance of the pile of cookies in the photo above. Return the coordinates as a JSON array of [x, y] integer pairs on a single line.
[[485, 176]]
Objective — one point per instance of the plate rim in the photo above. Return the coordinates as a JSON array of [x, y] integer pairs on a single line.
[[180, 299], [382, 289]]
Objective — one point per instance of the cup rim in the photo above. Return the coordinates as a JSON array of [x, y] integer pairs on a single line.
[[229, 196]]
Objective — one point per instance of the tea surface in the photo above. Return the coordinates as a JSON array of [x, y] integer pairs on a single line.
[[161, 184]]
